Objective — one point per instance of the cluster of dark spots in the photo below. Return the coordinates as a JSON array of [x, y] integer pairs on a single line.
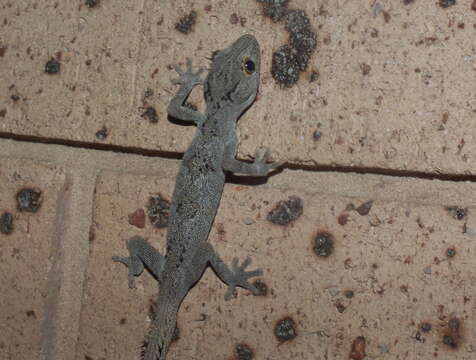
[[452, 334], [158, 210], [285, 67], [261, 288], [151, 114], [29, 200], [290, 59], [447, 3], [357, 350], [235, 19], [286, 211], [285, 329], [137, 218], [52, 66], [457, 212], [244, 352], [274, 9], [6, 223], [186, 23], [302, 37], [102, 133], [323, 244], [15, 97]]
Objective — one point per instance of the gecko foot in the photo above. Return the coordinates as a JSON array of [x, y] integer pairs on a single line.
[[134, 266], [241, 277], [262, 167], [188, 77]]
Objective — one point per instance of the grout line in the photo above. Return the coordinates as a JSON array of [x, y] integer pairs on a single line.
[[289, 166]]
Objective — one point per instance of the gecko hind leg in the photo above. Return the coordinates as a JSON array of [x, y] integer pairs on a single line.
[[233, 276], [141, 255]]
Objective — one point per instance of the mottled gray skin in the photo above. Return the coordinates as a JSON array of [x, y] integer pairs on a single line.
[[230, 88]]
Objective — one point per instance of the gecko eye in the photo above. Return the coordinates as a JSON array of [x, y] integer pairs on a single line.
[[248, 66]]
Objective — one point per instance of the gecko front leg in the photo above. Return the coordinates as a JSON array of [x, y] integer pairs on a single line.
[[258, 168], [187, 81]]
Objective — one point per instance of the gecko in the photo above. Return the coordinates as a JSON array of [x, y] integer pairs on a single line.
[[230, 88]]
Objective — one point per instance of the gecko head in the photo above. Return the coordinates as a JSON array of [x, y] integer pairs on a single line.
[[233, 79]]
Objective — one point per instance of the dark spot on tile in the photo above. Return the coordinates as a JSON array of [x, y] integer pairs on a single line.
[[365, 69], [274, 9], [425, 327], [123, 321], [6, 223], [186, 23], [29, 200], [454, 324], [86, 357], [457, 212], [349, 294], [151, 114], [137, 218], [92, 3], [102, 134], [343, 219], [314, 76], [450, 252], [473, 5], [3, 50], [285, 329], [323, 244], [286, 211], [234, 19], [15, 97], [447, 3], [244, 352], [92, 234], [3, 112], [450, 341], [364, 208], [88, 62], [52, 66], [261, 287], [340, 307], [303, 38], [158, 211], [386, 16], [316, 135], [31, 314], [407, 2], [357, 351]]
